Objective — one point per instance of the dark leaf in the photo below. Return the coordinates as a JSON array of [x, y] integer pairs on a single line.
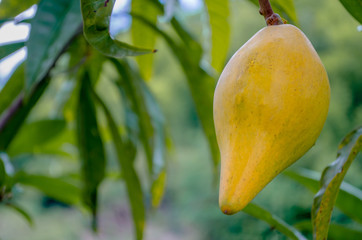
[[96, 16], [274, 221], [56, 188], [90, 146], [54, 24], [15, 115], [330, 182], [126, 152], [348, 197], [354, 7], [218, 11], [8, 49]]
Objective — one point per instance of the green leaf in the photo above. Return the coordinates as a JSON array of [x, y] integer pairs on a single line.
[[15, 115], [8, 49], [331, 180], [126, 152], [189, 56], [218, 11], [143, 35], [354, 7], [96, 16], [12, 88], [56, 188], [11, 8], [54, 24], [22, 212], [158, 189], [3, 174], [143, 110], [285, 8], [349, 197], [336, 231], [90, 146], [274, 221], [34, 135]]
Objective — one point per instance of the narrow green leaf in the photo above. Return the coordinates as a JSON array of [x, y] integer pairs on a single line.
[[349, 197], [354, 7], [54, 24], [34, 135], [2, 174], [22, 212], [11, 8], [90, 146], [285, 8], [331, 180], [143, 35], [218, 11], [126, 152], [158, 189], [55, 188], [198, 80], [143, 110], [8, 49], [336, 231], [15, 115], [12, 88], [274, 221], [96, 16]]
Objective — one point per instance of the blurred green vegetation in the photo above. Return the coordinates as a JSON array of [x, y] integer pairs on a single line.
[[189, 209]]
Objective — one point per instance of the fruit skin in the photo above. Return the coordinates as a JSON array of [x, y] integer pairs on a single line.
[[270, 105]]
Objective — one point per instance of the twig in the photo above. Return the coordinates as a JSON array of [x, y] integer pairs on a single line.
[[270, 17]]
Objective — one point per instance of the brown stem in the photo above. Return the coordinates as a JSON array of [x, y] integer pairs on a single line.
[[270, 17]]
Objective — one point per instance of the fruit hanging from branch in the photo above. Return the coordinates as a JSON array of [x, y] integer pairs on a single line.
[[270, 105]]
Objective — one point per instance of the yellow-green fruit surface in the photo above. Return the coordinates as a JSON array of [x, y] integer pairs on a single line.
[[270, 105]]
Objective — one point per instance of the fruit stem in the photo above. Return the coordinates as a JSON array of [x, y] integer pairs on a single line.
[[270, 17]]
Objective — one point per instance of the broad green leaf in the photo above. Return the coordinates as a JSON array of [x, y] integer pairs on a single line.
[[90, 146], [53, 26], [274, 221], [8, 49], [348, 197], [126, 152], [12, 88], [11, 8], [354, 7], [330, 182], [143, 35], [336, 231], [35, 134], [22, 212], [15, 115], [189, 56], [96, 16], [218, 11], [285, 8], [56, 188]]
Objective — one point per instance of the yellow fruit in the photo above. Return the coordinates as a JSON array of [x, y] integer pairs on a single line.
[[270, 105]]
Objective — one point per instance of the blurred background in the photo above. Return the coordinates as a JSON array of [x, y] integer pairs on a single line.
[[189, 209]]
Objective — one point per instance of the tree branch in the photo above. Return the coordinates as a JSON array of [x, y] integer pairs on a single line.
[[270, 17]]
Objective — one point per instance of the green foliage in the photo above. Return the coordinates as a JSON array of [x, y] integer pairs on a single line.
[[96, 15], [331, 180], [11, 8], [60, 21], [7, 49], [90, 145], [354, 7]]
